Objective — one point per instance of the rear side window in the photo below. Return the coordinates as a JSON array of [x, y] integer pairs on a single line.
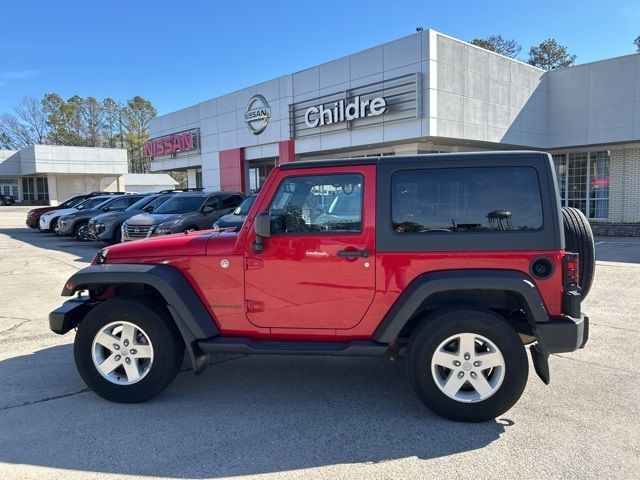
[[466, 200]]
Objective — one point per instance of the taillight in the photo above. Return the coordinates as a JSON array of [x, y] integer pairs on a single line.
[[571, 271]]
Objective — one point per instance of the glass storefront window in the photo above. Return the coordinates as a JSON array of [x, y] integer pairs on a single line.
[[583, 181], [27, 189], [599, 185], [43, 188]]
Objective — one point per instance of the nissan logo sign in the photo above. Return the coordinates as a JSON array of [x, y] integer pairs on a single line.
[[339, 112], [257, 114]]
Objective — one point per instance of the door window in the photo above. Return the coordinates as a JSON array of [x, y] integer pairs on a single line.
[[318, 203], [212, 202], [231, 201]]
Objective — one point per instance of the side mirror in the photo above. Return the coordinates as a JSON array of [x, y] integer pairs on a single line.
[[105, 209], [149, 209], [206, 210], [262, 227]]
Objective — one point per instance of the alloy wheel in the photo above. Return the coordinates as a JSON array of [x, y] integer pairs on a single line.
[[122, 353], [468, 367]]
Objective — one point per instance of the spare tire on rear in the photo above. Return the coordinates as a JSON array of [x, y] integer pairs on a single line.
[[578, 238]]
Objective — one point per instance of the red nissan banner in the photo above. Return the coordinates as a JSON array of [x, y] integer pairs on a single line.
[[174, 143]]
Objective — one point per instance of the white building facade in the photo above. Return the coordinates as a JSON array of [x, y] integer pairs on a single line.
[[423, 93]]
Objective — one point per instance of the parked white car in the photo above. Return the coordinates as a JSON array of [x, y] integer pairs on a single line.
[[49, 221]]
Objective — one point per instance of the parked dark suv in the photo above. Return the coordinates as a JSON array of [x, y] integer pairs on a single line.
[[107, 227], [76, 223], [182, 212], [234, 220], [454, 263]]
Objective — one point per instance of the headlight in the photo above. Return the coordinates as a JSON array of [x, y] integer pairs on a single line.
[[165, 228], [101, 256]]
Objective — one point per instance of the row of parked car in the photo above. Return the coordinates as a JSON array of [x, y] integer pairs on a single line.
[[120, 217]]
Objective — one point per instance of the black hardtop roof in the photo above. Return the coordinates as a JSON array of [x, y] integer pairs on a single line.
[[393, 159]]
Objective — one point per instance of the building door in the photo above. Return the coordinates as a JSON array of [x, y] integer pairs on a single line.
[[259, 170]]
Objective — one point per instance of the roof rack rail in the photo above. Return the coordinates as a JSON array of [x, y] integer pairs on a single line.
[[198, 189]]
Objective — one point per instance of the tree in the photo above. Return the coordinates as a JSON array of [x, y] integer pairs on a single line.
[[26, 126], [93, 119], [550, 55], [81, 121], [636, 42], [113, 123], [138, 112], [495, 43]]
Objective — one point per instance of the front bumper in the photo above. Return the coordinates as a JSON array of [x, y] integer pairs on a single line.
[[69, 314], [65, 227], [32, 222], [563, 335], [99, 232]]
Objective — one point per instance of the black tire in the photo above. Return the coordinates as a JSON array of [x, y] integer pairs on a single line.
[[53, 227], [441, 325], [163, 334], [78, 230], [578, 238], [117, 235]]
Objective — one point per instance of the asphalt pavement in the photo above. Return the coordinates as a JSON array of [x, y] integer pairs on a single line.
[[303, 417]]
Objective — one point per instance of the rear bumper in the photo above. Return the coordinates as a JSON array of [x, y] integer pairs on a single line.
[[563, 335], [69, 314]]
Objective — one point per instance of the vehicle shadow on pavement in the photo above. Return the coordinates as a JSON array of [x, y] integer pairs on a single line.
[[618, 249], [243, 415], [84, 251]]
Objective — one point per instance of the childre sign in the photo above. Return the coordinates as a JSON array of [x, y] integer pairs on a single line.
[[339, 112]]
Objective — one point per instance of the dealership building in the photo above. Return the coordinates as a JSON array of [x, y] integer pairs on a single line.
[[424, 93], [51, 174]]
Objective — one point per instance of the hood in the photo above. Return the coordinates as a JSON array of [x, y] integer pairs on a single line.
[[61, 212], [40, 211], [231, 220], [85, 214], [111, 216], [153, 219], [177, 245]]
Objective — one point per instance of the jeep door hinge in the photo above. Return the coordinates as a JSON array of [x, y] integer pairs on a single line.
[[254, 307], [252, 263]]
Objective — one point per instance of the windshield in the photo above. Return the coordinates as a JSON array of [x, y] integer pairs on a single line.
[[140, 204], [181, 204], [72, 202], [91, 203], [245, 206]]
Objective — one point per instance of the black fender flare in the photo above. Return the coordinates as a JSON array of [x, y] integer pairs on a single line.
[[428, 284], [185, 306]]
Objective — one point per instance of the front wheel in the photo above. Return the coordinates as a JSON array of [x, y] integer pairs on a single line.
[[81, 231], [127, 351], [467, 365]]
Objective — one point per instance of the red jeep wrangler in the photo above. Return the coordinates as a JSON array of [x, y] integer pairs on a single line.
[[454, 261]]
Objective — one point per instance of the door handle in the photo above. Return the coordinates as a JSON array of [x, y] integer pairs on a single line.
[[353, 253]]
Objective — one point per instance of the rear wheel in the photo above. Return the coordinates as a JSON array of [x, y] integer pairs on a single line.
[[127, 351], [467, 365], [578, 238]]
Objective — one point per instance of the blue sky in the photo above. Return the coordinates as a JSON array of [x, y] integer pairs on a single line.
[[180, 53]]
